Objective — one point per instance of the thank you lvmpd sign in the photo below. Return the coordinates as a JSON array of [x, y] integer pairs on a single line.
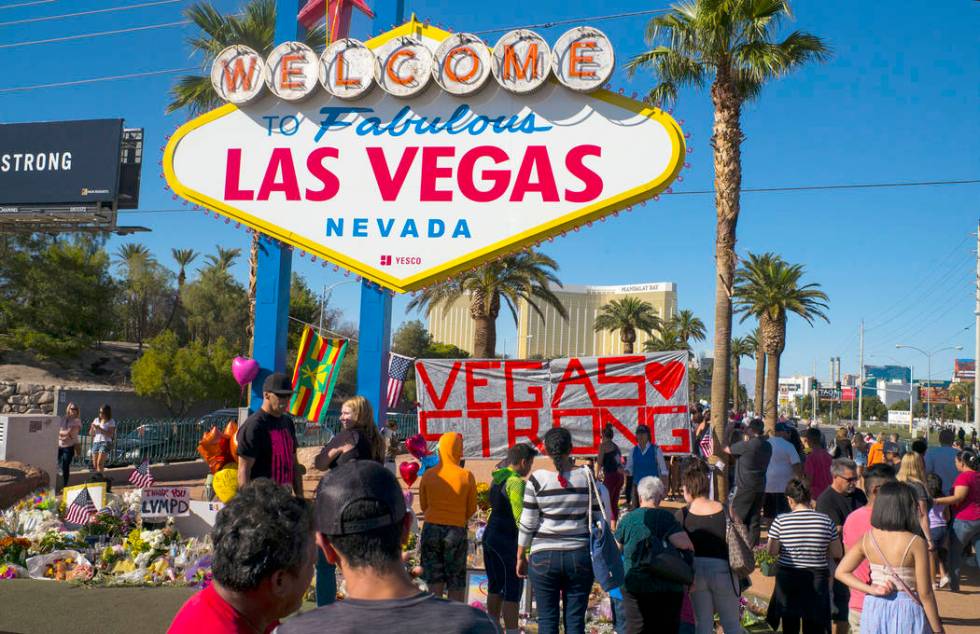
[[166, 502]]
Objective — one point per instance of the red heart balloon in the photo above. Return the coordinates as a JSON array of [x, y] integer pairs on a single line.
[[409, 471], [665, 378], [417, 446]]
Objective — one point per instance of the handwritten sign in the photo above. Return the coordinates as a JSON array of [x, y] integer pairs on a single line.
[[497, 403], [166, 502]]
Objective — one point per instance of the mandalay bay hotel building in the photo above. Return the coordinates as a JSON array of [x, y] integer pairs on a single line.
[[550, 336]]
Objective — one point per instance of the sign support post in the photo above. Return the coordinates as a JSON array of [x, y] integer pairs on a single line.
[[374, 327], [274, 267]]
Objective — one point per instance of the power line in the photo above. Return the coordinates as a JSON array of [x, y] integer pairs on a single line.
[[94, 80], [83, 36], [26, 4], [596, 18], [92, 12], [757, 189]]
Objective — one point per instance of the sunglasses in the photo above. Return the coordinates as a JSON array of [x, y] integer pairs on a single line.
[[854, 479]]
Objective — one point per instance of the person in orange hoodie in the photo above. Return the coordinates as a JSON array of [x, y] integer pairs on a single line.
[[876, 452], [447, 494]]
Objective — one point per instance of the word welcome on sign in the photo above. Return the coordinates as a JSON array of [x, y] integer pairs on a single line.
[[498, 403], [165, 502], [583, 59], [407, 187]]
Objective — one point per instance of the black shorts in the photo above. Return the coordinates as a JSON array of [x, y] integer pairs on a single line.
[[500, 560], [839, 600]]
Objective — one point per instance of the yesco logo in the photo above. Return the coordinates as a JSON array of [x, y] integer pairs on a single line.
[[582, 60]]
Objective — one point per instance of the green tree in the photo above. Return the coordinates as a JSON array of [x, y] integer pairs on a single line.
[[688, 326], [741, 347], [412, 339], [181, 376], [900, 406], [216, 307], [146, 294], [526, 275], [733, 45], [183, 258], [628, 315], [667, 338], [56, 296], [962, 393], [769, 289], [222, 259], [303, 306], [755, 342]]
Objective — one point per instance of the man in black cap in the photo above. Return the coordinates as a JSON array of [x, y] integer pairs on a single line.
[[753, 455], [267, 439], [362, 523]]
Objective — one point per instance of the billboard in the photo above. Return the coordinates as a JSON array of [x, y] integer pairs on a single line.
[[964, 370], [497, 403], [59, 163], [421, 153]]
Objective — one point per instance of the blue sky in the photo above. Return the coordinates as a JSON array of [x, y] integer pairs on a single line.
[[898, 102]]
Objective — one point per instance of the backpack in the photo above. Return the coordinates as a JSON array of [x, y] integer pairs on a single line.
[[658, 558]]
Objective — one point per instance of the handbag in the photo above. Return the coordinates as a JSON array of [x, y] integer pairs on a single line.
[[740, 557], [659, 558], [607, 561]]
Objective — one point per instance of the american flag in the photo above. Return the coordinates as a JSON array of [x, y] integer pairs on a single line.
[[141, 476], [397, 371], [707, 444], [81, 510]]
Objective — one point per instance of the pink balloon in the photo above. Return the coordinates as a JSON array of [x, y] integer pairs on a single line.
[[417, 446], [244, 370], [409, 471]]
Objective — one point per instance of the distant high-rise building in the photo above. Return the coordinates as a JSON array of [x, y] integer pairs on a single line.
[[549, 336]]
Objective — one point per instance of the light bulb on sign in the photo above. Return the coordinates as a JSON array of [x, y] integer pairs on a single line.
[[462, 64], [291, 72], [403, 67]]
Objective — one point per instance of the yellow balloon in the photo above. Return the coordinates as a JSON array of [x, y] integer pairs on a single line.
[[225, 482]]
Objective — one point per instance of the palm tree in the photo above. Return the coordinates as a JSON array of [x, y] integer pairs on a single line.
[[768, 288], [183, 258], [133, 260], [254, 27], [755, 342], [732, 45], [668, 338], [963, 392], [132, 255], [628, 315], [688, 326], [223, 259], [526, 275], [741, 347]]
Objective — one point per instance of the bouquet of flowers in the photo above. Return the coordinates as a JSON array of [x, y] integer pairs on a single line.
[[13, 550]]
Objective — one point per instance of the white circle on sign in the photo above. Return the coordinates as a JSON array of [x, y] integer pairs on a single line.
[[291, 72], [583, 59], [521, 61], [237, 74], [347, 69], [403, 67], [462, 64]]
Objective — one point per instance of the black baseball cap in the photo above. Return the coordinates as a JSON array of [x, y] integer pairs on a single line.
[[278, 383], [356, 482]]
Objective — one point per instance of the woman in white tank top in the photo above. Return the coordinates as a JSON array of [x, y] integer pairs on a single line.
[[899, 599]]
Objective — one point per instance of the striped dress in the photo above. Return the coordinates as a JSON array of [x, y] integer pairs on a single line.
[[556, 517]]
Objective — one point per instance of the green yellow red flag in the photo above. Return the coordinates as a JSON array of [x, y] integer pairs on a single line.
[[317, 366]]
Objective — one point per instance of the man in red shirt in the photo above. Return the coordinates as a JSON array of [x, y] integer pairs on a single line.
[[264, 553], [817, 465]]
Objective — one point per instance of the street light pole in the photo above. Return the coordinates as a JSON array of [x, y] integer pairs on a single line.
[[928, 356], [323, 299]]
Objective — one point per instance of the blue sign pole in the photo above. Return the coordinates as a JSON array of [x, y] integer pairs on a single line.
[[275, 264], [374, 332]]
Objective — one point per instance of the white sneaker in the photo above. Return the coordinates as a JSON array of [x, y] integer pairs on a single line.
[[944, 581]]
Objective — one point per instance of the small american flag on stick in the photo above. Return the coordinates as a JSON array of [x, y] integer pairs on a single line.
[[397, 371], [81, 510], [707, 444], [141, 476]]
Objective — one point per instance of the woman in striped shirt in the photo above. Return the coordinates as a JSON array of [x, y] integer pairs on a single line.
[[554, 529], [803, 539]]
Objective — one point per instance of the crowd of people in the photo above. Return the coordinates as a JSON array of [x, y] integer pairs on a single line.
[[862, 544]]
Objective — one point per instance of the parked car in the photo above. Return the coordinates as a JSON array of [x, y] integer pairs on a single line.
[[137, 445]]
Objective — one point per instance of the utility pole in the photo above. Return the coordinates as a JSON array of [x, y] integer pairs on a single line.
[[833, 375], [976, 353], [860, 390], [814, 393]]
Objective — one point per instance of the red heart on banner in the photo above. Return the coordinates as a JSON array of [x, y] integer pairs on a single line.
[[665, 378], [409, 471]]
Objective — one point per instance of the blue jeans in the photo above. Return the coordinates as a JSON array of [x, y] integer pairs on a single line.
[[326, 580], [557, 574], [963, 532]]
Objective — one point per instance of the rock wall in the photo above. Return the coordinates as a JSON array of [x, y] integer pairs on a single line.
[[27, 398]]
